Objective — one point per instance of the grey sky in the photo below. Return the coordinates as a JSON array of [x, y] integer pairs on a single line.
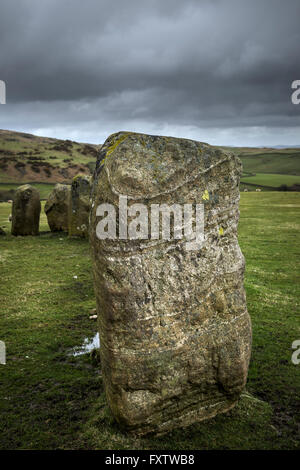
[[218, 71]]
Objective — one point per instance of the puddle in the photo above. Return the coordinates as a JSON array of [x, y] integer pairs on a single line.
[[87, 346]]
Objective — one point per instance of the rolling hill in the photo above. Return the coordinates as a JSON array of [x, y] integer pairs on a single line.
[[43, 161], [269, 168], [28, 158]]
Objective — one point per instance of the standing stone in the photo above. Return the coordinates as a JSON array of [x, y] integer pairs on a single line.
[[26, 211], [174, 328], [57, 208], [79, 206]]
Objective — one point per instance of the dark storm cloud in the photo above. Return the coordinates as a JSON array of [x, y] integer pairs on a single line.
[[151, 64]]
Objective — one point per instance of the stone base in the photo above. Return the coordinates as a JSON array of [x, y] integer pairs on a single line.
[[193, 416]]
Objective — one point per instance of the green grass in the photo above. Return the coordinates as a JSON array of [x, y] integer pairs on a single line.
[[270, 168], [251, 187], [267, 160], [286, 162], [271, 180], [51, 400], [269, 238]]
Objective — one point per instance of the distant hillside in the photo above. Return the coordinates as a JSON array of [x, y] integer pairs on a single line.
[[269, 168], [27, 158], [42, 161]]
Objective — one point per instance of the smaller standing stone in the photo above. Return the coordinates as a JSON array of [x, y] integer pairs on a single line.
[[57, 207], [79, 206], [26, 211]]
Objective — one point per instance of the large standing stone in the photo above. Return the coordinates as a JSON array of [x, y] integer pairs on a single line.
[[174, 328], [79, 206], [57, 208], [26, 211]]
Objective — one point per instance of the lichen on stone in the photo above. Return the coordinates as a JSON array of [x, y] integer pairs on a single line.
[[174, 328]]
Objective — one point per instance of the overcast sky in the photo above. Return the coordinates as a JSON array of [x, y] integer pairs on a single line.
[[218, 71]]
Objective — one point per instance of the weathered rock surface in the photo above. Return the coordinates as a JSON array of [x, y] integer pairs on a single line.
[[26, 211], [57, 208], [174, 328], [79, 206]]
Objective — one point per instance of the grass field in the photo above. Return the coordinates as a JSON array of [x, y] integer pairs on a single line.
[[271, 180], [284, 162], [268, 168], [52, 400]]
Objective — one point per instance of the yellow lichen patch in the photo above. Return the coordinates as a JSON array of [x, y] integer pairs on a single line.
[[205, 195], [221, 231], [116, 144], [113, 146]]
